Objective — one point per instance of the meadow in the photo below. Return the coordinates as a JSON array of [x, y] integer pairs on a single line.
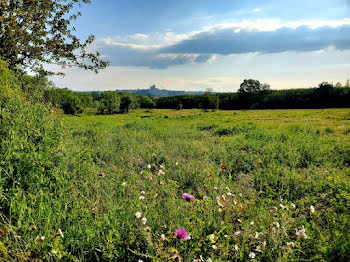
[[267, 185]]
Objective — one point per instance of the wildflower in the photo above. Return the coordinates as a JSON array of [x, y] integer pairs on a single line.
[[214, 247], [251, 255], [301, 232], [54, 252], [102, 175], [161, 172], [252, 223], [229, 194], [124, 184], [256, 235], [142, 197], [282, 206], [181, 233], [312, 209], [161, 167], [59, 233], [223, 197], [215, 188], [144, 220], [223, 165], [149, 166], [162, 237], [138, 214], [143, 193], [189, 237], [258, 249], [290, 244], [176, 163], [235, 202], [276, 224], [293, 205], [228, 189], [212, 238], [237, 233], [39, 239], [236, 247], [187, 197], [225, 236], [220, 210], [218, 201]]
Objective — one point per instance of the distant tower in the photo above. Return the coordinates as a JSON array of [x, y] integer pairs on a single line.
[[152, 87], [347, 83]]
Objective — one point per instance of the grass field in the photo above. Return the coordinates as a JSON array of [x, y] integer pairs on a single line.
[[269, 185]]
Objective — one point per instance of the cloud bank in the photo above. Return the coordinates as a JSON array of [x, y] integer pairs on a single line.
[[262, 36]]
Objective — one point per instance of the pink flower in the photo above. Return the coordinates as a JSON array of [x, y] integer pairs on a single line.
[[102, 175], [187, 197], [181, 233]]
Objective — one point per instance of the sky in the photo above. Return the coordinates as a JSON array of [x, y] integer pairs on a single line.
[[216, 44]]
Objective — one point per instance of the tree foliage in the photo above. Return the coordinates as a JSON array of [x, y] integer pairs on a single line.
[[38, 32], [252, 86]]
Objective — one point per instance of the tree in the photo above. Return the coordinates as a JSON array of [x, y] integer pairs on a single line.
[[109, 103], [252, 86], [125, 103], [38, 32]]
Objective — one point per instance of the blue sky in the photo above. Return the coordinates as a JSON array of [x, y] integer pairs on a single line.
[[200, 44]]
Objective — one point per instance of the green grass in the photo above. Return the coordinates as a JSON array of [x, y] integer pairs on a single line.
[[279, 163]]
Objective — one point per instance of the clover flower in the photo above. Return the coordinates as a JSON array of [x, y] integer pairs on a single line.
[[149, 166], [144, 220], [142, 197], [251, 255], [102, 175], [181, 233], [124, 184], [187, 197], [138, 214]]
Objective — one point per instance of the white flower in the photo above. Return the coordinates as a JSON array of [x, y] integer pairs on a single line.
[[276, 224], [251, 255], [144, 220], [229, 193], [312, 209], [214, 247], [293, 205], [220, 210], [215, 188], [290, 244], [258, 249], [149, 166], [143, 193], [256, 235], [138, 214], [237, 233], [176, 163], [235, 202], [228, 189], [59, 233], [161, 167], [223, 197], [212, 238], [142, 197], [189, 237], [252, 223], [301, 232], [161, 172], [39, 239], [282, 206], [236, 247], [162, 237], [124, 184], [225, 236]]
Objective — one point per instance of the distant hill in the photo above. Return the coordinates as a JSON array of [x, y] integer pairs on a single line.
[[156, 92]]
